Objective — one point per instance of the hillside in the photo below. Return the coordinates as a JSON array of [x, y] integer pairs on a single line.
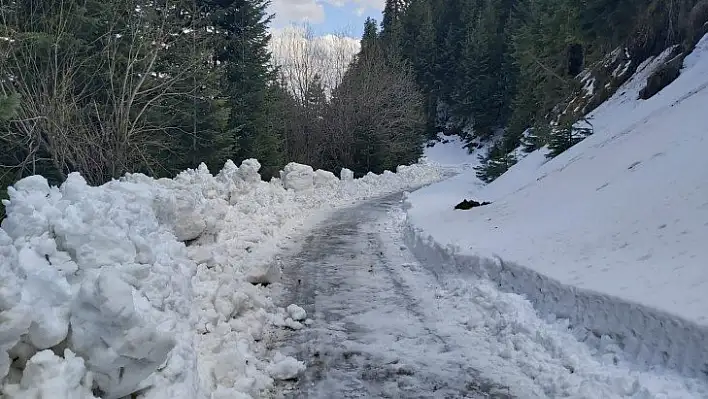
[[609, 235]]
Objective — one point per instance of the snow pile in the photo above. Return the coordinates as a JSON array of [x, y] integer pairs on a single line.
[[610, 234], [148, 285]]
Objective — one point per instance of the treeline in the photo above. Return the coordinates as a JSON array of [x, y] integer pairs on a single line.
[[158, 86], [495, 68], [368, 116]]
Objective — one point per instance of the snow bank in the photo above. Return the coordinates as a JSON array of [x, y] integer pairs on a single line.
[[148, 285], [610, 235]]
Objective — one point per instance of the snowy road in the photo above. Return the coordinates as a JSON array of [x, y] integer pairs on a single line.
[[370, 337], [383, 326]]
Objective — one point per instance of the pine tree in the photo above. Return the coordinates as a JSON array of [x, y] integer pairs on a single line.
[[241, 45], [565, 136], [494, 163], [391, 24], [418, 38], [369, 39], [8, 107], [315, 98]]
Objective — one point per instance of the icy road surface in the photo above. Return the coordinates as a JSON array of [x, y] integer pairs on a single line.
[[383, 326]]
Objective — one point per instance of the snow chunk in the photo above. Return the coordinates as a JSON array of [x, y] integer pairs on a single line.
[[346, 175], [248, 171], [264, 274], [325, 179], [182, 211], [285, 367], [296, 312], [122, 348], [49, 376], [297, 177], [47, 293]]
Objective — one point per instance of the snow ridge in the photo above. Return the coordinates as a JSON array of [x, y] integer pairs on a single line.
[[646, 336], [148, 285]]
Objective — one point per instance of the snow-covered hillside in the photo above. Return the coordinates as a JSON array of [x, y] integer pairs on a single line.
[[150, 285], [612, 234]]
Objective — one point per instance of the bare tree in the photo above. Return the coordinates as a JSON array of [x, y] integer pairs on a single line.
[[375, 119], [310, 68], [301, 57], [92, 106]]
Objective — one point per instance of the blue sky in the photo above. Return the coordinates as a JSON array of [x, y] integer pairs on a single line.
[[327, 16], [348, 17]]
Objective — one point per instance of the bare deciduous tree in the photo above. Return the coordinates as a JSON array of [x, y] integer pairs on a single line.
[[376, 118], [301, 56], [93, 106]]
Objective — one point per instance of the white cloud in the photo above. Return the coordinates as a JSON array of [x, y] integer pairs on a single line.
[[287, 11], [375, 4]]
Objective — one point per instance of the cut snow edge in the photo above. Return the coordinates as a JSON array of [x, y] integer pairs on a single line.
[[647, 336]]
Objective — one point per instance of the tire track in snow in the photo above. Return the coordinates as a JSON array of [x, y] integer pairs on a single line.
[[369, 337], [408, 300]]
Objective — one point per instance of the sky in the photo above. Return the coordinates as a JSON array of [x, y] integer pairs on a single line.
[[327, 16]]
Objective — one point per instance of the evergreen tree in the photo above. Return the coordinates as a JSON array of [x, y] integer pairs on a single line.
[[315, 98], [391, 24], [8, 107], [494, 163], [565, 136], [369, 39], [418, 46], [241, 45]]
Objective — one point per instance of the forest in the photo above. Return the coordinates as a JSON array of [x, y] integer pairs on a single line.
[[110, 87], [505, 72], [106, 88]]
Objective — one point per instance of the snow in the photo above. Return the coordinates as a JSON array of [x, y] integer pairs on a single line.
[[449, 152], [285, 367], [297, 177], [388, 325], [502, 336], [50, 376], [148, 285], [609, 235], [346, 175], [296, 313]]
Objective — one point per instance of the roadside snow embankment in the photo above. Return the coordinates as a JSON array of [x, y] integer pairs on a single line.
[[148, 285], [611, 234]]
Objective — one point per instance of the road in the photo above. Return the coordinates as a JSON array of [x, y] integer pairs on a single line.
[[384, 325], [370, 337]]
